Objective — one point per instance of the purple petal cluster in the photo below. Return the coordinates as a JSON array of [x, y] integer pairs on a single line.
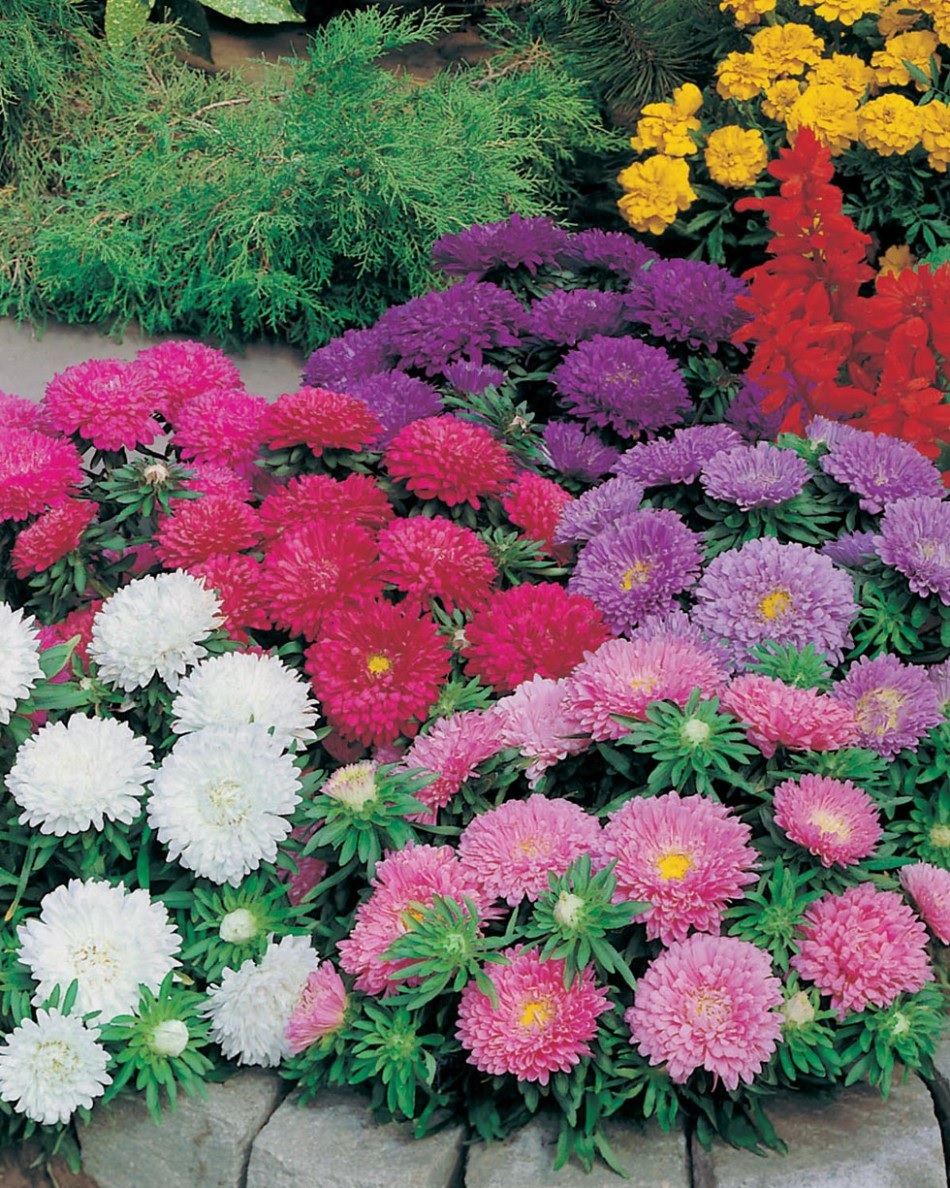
[[939, 677], [472, 378], [755, 476], [823, 431], [598, 509], [745, 415], [880, 469], [915, 540], [853, 550], [577, 454], [612, 251], [687, 301], [569, 316], [894, 704], [511, 243], [678, 625], [678, 459], [397, 399], [355, 355]]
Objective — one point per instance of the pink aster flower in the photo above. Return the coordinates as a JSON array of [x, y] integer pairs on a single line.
[[534, 504], [357, 500], [862, 948], [36, 471], [832, 819], [432, 557], [179, 371], [52, 536], [894, 704], [778, 714], [451, 749], [16, 412], [533, 719], [511, 849], [708, 1002], [929, 888], [219, 480], [321, 420], [538, 1026], [237, 581], [626, 676], [686, 857], [106, 401], [221, 427], [449, 459], [320, 1011], [202, 528]]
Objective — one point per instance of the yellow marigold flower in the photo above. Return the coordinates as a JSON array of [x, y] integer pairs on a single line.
[[787, 49], [940, 14], [742, 76], [830, 111], [845, 71], [916, 48], [846, 12], [735, 156], [889, 124], [747, 12], [897, 18], [666, 127], [935, 135], [656, 191], [895, 260], [779, 97]]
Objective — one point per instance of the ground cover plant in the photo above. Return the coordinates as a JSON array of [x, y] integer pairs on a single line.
[[499, 720]]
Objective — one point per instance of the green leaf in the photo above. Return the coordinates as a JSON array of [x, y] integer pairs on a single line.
[[125, 20], [255, 12]]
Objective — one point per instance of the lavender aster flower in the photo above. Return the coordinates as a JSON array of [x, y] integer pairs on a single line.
[[597, 510], [822, 431], [397, 399], [939, 677], [755, 476], [687, 301], [511, 243], [881, 469], [622, 383], [637, 567], [569, 316], [786, 593], [894, 704], [613, 251], [471, 378], [915, 540], [354, 355], [575, 453], [853, 550], [678, 459]]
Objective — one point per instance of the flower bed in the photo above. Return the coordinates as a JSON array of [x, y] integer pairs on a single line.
[[499, 718]]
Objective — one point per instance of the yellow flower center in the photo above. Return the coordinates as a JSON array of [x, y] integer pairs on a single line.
[[709, 1005], [878, 712], [675, 865], [530, 847], [537, 1012], [637, 575], [830, 823], [940, 836], [776, 604], [377, 664]]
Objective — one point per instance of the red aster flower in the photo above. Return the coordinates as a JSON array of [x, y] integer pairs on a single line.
[[449, 459], [321, 420], [377, 670], [201, 528], [436, 558], [357, 500], [36, 471], [534, 504], [532, 631], [106, 401], [52, 536], [237, 581], [221, 428]]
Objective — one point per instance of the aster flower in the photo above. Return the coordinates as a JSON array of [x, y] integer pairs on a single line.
[[929, 888], [708, 1002], [252, 1006], [538, 1026], [241, 687], [534, 504], [451, 750], [16, 412], [678, 459], [354, 355], [832, 819], [396, 400], [319, 419], [687, 301], [626, 676], [449, 459], [110, 940], [54, 534], [893, 704], [863, 948], [915, 540], [52, 1066], [527, 631], [472, 377], [221, 427], [637, 567], [356, 501], [623, 384], [686, 857], [74, 775], [822, 431], [939, 677], [785, 593], [511, 849], [202, 528], [20, 649], [219, 480], [799, 719], [36, 472], [106, 401], [221, 801], [236, 581], [437, 558], [533, 719], [611, 251], [178, 371], [746, 415], [319, 1011], [755, 476], [376, 671], [597, 509], [852, 550], [515, 242], [880, 469], [575, 453], [153, 627], [569, 316]]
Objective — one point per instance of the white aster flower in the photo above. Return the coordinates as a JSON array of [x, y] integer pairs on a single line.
[[51, 1067], [71, 775], [241, 687], [251, 1007], [110, 940], [221, 798], [156, 624], [19, 666]]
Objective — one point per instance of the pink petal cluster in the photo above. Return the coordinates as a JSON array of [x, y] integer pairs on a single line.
[[36, 471], [320, 1010], [237, 581], [449, 459], [432, 557], [179, 371], [356, 501], [452, 749], [832, 819], [779, 714], [321, 420], [221, 427], [929, 888], [52, 536], [106, 401], [534, 504], [203, 528], [534, 720]]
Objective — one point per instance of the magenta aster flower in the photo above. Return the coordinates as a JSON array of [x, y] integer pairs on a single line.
[[432, 557], [178, 371], [786, 593], [236, 578], [52, 536], [915, 540], [515, 242], [687, 301], [320, 1011], [833, 819], [36, 472], [534, 720], [16, 412], [354, 355], [538, 1027], [357, 500], [221, 427], [396, 400], [880, 469], [755, 476], [777, 714], [449, 459], [893, 704], [637, 567], [569, 316], [678, 459], [863, 948], [708, 1002], [575, 453], [687, 857], [534, 504], [929, 888], [201, 528], [451, 749], [319, 419], [106, 401], [598, 509]]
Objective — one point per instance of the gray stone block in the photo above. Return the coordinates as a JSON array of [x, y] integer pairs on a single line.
[[333, 1142], [651, 1159], [201, 1144], [855, 1140]]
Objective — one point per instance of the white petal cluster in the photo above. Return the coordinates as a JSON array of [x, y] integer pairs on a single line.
[[71, 776], [250, 1009], [19, 665], [51, 1066], [241, 687], [221, 799], [107, 938], [155, 625]]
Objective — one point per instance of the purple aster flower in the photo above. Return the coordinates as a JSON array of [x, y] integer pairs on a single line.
[[613, 251], [745, 414], [622, 383], [457, 323], [894, 704], [397, 399], [678, 625], [679, 459], [568, 316], [822, 431], [472, 378], [354, 355], [786, 593], [915, 540], [880, 469], [637, 567], [687, 301], [575, 453], [755, 476], [598, 509], [511, 243], [853, 550], [939, 677]]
